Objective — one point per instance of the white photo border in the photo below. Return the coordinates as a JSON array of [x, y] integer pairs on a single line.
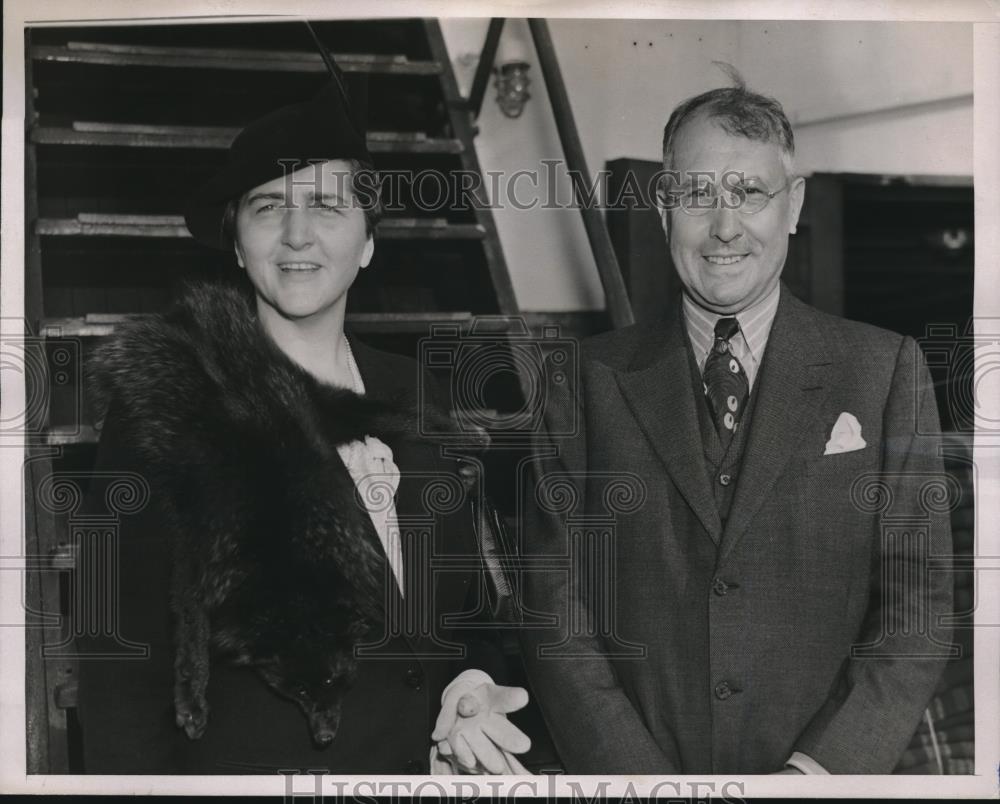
[[986, 36]]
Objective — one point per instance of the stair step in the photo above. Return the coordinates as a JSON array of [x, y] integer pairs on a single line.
[[63, 435], [146, 136], [413, 323], [92, 325], [122, 225], [227, 59], [73, 435], [98, 325], [579, 324]]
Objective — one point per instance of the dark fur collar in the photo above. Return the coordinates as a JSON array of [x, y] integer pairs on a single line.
[[275, 560]]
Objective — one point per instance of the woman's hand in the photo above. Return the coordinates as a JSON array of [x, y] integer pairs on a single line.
[[472, 731]]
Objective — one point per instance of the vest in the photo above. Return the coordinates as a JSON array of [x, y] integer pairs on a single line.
[[723, 466]]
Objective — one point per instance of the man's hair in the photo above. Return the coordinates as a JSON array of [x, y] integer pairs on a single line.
[[737, 111], [364, 183]]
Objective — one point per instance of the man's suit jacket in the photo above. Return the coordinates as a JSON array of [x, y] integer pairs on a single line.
[[751, 635]]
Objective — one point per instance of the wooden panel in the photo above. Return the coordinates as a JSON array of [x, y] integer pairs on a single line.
[[47, 749], [132, 135], [36, 693], [823, 214], [226, 59], [638, 238], [91, 224], [99, 325]]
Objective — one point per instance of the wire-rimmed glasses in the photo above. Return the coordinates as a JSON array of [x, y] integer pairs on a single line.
[[699, 196]]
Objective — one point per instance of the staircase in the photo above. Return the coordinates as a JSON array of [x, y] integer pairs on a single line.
[[125, 122]]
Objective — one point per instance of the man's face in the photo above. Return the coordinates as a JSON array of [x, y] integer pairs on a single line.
[[302, 240], [727, 259]]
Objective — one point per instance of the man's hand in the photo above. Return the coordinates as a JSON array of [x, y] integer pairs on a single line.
[[472, 731]]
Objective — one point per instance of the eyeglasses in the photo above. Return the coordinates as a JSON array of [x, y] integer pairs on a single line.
[[748, 198]]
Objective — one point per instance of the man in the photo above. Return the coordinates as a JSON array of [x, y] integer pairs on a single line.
[[754, 618]]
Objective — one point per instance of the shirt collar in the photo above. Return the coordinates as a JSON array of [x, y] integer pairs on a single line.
[[755, 324]]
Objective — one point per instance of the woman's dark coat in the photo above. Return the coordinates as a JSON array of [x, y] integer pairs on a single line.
[[126, 705]]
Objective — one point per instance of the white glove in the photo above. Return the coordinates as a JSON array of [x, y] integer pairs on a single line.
[[472, 731]]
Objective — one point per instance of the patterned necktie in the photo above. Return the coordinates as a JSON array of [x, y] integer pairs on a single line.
[[726, 384]]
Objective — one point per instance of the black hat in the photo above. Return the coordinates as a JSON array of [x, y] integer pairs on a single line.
[[317, 129]]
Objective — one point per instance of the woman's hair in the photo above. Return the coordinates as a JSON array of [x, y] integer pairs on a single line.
[[364, 183]]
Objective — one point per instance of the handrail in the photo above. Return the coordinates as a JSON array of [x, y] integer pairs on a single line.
[[486, 59], [619, 307]]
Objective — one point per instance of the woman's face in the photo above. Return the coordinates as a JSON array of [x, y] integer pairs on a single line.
[[301, 239]]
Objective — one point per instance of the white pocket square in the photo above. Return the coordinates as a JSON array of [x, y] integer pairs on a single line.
[[846, 435]]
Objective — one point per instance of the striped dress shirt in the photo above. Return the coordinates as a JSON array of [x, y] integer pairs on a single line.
[[747, 345]]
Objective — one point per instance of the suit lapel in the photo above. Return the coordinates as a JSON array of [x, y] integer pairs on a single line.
[[791, 387], [658, 390]]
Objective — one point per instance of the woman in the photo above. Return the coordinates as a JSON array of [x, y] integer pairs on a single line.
[[267, 574]]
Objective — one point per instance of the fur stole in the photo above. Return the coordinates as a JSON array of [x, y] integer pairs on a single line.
[[276, 564]]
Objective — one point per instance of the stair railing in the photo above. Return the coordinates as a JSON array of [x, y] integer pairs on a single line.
[[618, 305]]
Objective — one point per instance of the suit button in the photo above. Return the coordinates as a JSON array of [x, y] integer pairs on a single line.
[[414, 678], [725, 480], [414, 766], [723, 690], [720, 587]]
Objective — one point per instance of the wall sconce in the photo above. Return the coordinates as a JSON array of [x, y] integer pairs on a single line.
[[512, 87], [512, 71]]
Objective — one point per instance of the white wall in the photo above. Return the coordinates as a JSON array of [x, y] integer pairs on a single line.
[[863, 97]]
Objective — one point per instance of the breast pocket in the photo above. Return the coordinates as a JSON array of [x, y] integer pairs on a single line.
[[850, 465]]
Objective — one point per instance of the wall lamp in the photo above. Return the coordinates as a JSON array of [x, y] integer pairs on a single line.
[[510, 55]]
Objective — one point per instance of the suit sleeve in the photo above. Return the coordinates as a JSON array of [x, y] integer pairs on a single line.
[[594, 726], [125, 703], [894, 665]]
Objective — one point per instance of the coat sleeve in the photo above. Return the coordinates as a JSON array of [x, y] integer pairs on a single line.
[[897, 659], [125, 702], [483, 648], [594, 726]]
